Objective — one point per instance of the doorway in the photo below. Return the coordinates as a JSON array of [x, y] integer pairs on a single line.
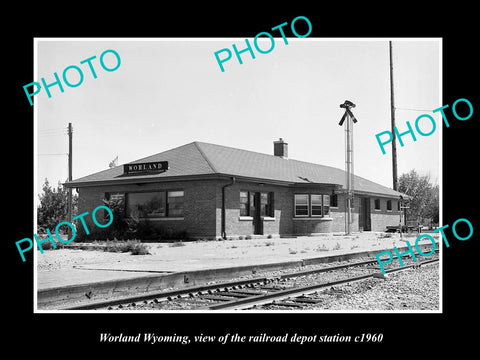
[[364, 220], [255, 213]]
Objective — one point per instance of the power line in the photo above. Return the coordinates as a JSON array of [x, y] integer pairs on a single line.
[[57, 133], [51, 131], [49, 135], [410, 109], [56, 128], [51, 154]]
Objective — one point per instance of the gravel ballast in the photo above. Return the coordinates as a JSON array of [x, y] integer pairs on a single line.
[[412, 289]]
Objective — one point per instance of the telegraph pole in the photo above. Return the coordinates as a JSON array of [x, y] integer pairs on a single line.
[[392, 114], [348, 166], [69, 201], [348, 116]]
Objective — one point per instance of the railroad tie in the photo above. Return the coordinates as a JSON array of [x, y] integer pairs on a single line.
[[307, 300], [217, 298], [286, 303], [247, 292]]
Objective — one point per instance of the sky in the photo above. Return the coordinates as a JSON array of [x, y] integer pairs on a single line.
[[170, 92]]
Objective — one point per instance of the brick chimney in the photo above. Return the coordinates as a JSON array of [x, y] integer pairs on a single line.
[[280, 148]]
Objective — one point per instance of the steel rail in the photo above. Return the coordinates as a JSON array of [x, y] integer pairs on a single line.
[[202, 288], [250, 301], [163, 294], [190, 291]]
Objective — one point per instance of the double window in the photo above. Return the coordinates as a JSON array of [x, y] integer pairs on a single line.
[[256, 201], [388, 205], [312, 205], [154, 204]]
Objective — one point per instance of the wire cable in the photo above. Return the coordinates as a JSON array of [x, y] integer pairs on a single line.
[[409, 109]]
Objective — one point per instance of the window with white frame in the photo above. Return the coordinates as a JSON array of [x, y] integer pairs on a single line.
[[311, 205], [316, 205], [301, 204]]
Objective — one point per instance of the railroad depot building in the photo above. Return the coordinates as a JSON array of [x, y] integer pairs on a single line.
[[211, 191]]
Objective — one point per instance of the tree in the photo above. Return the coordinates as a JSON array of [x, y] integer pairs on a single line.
[[424, 197], [53, 207], [432, 210]]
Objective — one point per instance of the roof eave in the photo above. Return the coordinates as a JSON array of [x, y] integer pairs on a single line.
[[147, 180], [137, 180], [377, 194]]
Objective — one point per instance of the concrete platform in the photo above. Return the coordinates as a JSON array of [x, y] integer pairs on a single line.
[[117, 275]]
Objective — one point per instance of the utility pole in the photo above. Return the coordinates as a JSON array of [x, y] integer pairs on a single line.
[[392, 114], [69, 201], [347, 105]]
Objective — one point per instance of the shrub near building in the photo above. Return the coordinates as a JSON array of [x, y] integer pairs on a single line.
[[128, 228], [53, 206]]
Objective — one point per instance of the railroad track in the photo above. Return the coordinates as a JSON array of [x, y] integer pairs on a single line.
[[299, 296], [242, 294]]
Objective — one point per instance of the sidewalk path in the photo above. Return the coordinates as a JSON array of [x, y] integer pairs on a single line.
[[65, 267]]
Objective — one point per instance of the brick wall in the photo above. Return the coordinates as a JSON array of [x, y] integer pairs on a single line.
[[312, 226], [203, 209], [380, 219], [283, 223], [200, 199], [339, 216], [280, 223]]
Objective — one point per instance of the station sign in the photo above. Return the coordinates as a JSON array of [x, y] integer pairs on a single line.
[[148, 167]]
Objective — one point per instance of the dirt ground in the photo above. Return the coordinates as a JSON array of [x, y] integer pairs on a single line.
[[205, 254]]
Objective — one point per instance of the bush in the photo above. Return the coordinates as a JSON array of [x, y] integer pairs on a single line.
[[321, 248], [384, 235], [47, 245], [95, 234], [176, 244], [139, 249], [143, 229], [134, 247], [126, 228], [53, 207]]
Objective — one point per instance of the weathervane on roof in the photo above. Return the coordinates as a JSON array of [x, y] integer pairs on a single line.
[[347, 105]]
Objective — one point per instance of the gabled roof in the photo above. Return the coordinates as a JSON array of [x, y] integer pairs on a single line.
[[199, 159]]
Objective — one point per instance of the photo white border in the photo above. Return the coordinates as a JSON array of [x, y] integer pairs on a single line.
[[306, 312]]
